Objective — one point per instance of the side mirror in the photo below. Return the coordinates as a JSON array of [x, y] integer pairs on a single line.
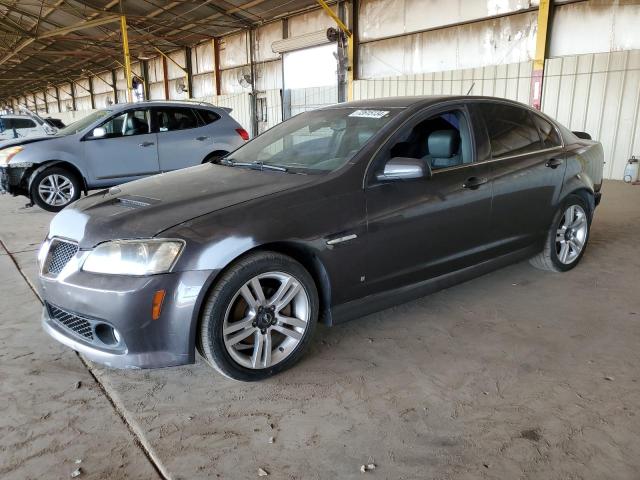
[[404, 168], [98, 133]]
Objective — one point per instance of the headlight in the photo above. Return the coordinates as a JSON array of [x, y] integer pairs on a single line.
[[133, 257], [6, 154]]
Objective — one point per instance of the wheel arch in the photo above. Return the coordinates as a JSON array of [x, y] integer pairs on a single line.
[[586, 194], [300, 253], [58, 163], [215, 153]]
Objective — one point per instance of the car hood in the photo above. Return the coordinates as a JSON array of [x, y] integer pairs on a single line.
[[145, 208], [23, 141]]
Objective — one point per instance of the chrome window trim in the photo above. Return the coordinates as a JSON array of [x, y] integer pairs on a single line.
[[500, 159]]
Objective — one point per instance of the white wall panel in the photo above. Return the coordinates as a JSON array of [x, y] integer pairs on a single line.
[[102, 83], [268, 75], [204, 85], [309, 22], [203, 58], [229, 81], [154, 66], [103, 100], [234, 50], [173, 70], [264, 37], [594, 27], [156, 91], [599, 94], [383, 18], [491, 42]]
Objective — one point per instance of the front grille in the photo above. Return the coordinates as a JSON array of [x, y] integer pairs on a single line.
[[71, 321], [60, 252]]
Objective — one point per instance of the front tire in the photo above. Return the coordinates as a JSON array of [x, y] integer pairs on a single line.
[[54, 188], [259, 318], [567, 238]]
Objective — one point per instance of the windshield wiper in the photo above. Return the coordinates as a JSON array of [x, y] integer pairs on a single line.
[[253, 165]]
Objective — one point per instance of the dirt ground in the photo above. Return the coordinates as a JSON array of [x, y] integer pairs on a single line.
[[517, 374]]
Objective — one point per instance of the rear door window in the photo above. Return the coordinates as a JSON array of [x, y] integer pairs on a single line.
[[510, 129], [171, 118], [548, 132]]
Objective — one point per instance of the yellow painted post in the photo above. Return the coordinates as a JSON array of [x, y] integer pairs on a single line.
[[127, 56], [350, 48], [537, 75]]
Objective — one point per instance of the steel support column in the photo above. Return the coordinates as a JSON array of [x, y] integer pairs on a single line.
[[145, 79], [188, 71], [58, 99], [216, 63], [91, 97], [114, 80], [545, 12], [165, 77]]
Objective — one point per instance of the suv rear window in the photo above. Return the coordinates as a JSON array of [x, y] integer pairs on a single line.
[[208, 116]]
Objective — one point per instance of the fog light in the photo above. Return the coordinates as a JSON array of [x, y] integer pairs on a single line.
[[107, 334]]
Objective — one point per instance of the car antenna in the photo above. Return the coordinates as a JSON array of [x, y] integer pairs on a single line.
[[471, 88]]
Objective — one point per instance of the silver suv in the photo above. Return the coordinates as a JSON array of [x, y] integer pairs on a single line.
[[16, 126], [116, 145]]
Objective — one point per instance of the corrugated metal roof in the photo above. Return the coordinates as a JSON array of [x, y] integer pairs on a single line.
[[48, 42]]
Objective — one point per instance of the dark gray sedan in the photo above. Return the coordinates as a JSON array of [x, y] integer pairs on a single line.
[[331, 215]]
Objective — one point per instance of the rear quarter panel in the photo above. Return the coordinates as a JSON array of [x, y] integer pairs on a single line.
[[585, 163]]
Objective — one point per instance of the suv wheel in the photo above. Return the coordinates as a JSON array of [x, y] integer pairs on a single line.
[[259, 318], [54, 188], [567, 238]]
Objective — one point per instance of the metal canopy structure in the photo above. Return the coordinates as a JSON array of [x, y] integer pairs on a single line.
[[48, 42]]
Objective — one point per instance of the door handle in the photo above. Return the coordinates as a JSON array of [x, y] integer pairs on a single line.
[[146, 144], [553, 163], [474, 182], [201, 139]]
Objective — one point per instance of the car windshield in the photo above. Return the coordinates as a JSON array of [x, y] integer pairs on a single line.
[[318, 141], [83, 123]]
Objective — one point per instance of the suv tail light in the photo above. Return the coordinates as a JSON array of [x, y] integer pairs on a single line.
[[243, 133]]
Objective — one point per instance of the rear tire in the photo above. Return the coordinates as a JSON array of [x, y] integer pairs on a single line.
[[259, 317], [567, 238], [54, 188]]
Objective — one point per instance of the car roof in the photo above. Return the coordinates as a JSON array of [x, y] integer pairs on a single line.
[[14, 115], [164, 103], [423, 100]]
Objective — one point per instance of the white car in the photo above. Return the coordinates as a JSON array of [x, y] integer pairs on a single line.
[[17, 126]]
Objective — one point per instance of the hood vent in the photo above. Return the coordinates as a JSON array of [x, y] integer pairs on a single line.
[[136, 202]]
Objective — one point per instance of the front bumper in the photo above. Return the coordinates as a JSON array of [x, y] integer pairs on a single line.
[[11, 180], [124, 304]]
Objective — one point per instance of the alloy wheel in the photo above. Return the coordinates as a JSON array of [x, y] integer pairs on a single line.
[[571, 234], [266, 320], [56, 190]]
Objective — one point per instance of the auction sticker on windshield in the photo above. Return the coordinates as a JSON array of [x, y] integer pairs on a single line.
[[369, 113]]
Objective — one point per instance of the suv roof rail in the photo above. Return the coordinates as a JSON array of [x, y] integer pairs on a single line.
[[195, 102]]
